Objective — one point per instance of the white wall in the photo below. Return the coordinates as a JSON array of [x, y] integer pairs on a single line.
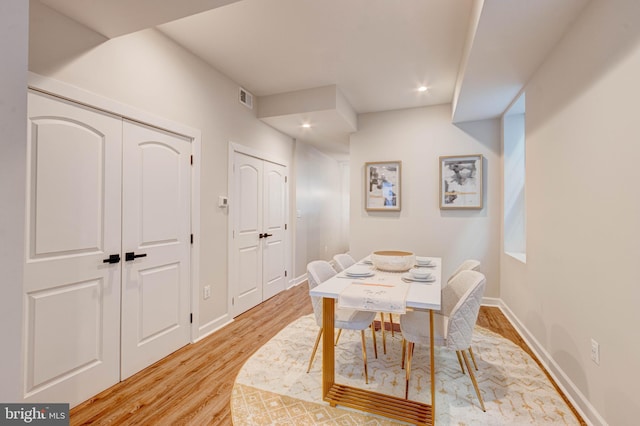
[[417, 137], [320, 196], [148, 71], [14, 19], [581, 279], [345, 193]]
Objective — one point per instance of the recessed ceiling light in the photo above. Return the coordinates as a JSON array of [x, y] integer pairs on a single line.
[[306, 125], [422, 89]]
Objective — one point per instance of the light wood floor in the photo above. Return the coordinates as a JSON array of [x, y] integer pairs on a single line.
[[193, 385]]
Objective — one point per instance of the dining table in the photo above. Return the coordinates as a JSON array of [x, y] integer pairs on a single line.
[[419, 296]]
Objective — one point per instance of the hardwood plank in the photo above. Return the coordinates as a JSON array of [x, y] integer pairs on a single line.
[[193, 385]]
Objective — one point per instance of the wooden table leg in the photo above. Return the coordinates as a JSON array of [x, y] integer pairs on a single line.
[[328, 351]]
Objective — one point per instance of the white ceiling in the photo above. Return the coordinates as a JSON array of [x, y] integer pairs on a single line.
[[474, 54], [113, 18], [376, 51]]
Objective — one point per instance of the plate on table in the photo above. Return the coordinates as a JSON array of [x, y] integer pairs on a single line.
[[408, 277], [359, 271], [352, 275], [356, 276]]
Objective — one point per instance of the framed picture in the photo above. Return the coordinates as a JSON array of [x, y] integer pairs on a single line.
[[382, 186], [461, 182]]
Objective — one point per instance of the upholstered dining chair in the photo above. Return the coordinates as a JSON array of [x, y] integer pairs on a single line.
[[318, 272], [461, 302], [467, 265], [343, 261]]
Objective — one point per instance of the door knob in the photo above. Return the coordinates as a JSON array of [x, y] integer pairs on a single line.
[[113, 258], [131, 256], [268, 235]]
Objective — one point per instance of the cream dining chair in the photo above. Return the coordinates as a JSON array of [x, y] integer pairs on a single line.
[[467, 265], [454, 329], [318, 272], [343, 261]]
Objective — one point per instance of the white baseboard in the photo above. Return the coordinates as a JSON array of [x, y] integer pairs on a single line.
[[492, 301], [577, 398], [213, 326], [297, 281]]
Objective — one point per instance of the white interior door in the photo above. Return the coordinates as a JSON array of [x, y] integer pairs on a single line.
[[72, 298], [156, 245], [274, 222], [259, 211], [247, 242]]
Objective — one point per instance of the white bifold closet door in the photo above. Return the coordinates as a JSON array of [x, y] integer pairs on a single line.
[[101, 189], [258, 208]]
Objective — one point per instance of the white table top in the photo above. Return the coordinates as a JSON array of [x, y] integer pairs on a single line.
[[420, 295]]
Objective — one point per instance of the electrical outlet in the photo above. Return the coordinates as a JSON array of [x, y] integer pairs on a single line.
[[207, 291], [595, 351]]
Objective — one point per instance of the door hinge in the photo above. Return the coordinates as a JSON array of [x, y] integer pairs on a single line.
[[192, 160], [285, 273], [233, 301], [191, 318], [285, 226], [191, 238], [285, 179]]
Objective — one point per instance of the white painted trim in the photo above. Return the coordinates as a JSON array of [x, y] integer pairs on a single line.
[[80, 96], [77, 95], [236, 147], [195, 230], [297, 281], [577, 398], [521, 257], [231, 273], [212, 326], [492, 301]]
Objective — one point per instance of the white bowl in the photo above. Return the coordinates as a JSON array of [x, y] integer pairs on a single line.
[[421, 274], [393, 260]]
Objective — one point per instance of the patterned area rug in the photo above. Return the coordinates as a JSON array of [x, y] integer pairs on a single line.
[[273, 387]]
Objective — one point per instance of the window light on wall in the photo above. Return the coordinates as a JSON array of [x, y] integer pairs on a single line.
[[513, 127]]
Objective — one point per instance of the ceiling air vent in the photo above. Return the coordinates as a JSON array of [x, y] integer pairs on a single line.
[[246, 98]]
